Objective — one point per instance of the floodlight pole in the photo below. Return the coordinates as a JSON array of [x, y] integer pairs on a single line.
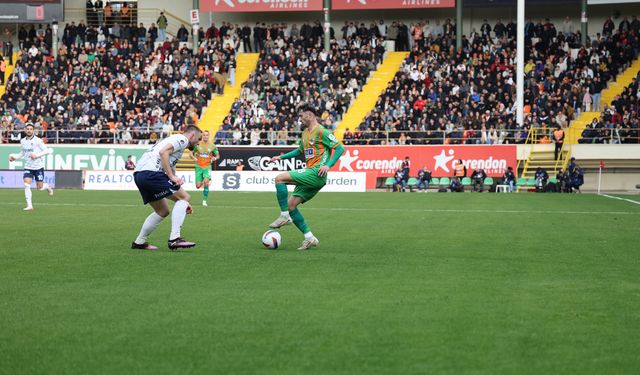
[[520, 65], [327, 25], [459, 24], [583, 24]]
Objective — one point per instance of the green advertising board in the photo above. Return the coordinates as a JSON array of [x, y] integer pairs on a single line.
[[95, 157]]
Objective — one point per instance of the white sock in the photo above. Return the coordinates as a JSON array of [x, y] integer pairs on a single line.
[[45, 186], [308, 236], [177, 218], [150, 224], [27, 193], [284, 213]]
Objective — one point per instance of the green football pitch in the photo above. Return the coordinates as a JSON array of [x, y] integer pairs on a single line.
[[400, 284]]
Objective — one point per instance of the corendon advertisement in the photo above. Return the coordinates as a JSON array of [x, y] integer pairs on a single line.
[[259, 5], [391, 4], [382, 161]]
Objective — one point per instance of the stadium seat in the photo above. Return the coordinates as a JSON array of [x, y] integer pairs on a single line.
[[488, 181], [444, 181], [531, 182], [435, 181], [522, 182], [553, 180], [389, 183], [412, 183], [466, 181]]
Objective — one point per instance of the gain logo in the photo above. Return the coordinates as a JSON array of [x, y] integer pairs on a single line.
[[254, 163], [231, 181]]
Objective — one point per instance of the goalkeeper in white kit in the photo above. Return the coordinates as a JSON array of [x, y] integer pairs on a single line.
[[33, 152]]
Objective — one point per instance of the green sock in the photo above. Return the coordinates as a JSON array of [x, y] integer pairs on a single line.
[[205, 192], [298, 220], [282, 194]]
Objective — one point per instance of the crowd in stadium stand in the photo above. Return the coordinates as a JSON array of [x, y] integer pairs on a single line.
[[467, 97], [294, 69], [619, 123], [116, 78], [111, 83]]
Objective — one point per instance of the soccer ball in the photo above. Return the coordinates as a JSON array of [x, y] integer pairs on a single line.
[[271, 239]]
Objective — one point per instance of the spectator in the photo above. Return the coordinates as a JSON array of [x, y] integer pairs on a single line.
[[477, 177], [424, 179], [456, 185], [400, 183], [577, 179], [129, 164], [563, 181], [162, 23], [509, 178], [3, 69], [183, 34], [239, 166], [541, 177]]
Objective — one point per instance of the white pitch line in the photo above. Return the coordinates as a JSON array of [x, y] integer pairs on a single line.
[[619, 198], [351, 209]]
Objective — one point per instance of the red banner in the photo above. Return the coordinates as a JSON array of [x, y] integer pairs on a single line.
[[382, 161], [391, 4], [259, 5]]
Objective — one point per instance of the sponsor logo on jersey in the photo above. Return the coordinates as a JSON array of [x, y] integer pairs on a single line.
[[309, 153]]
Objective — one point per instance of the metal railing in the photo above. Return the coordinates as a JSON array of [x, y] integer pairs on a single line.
[[245, 137]]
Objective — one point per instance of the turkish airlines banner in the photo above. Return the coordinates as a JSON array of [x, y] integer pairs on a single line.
[[391, 4], [259, 5], [382, 161]]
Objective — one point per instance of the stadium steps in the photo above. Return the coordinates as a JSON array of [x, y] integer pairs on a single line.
[[185, 163], [220, 105], [622, 81], [7, 74], [608, 95], [544, 158], [574, 131], [366, 100]]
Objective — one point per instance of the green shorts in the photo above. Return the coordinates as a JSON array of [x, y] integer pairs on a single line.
[[202, 173], [308, 183]]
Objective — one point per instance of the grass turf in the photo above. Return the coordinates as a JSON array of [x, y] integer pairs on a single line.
[[401, 284]]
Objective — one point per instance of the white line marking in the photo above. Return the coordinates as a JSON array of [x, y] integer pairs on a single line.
[[274, 208], [621, 199]]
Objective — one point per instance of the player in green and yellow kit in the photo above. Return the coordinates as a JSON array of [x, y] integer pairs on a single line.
[[316, 144], [204, 153]]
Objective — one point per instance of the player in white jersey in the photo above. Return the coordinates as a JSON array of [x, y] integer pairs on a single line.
[[156, 180], [33, 152]]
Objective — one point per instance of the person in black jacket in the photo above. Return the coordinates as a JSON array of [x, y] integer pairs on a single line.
[[245, 33], [183, 34], [577, 179], [509, 178], [541, 179], [477, 178]]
